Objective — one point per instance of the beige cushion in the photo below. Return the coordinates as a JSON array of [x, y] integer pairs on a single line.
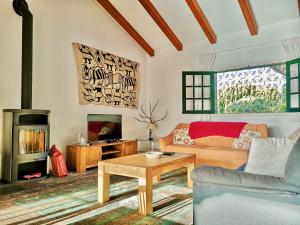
[[216, 141], [181, 136], [245, 139], [214, 156], [211, 152]]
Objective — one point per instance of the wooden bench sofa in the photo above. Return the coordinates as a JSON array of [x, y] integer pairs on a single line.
[[213, 150]]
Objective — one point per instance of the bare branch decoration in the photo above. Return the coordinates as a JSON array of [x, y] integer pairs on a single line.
[[143, 121], [149, 117], [162, 117]]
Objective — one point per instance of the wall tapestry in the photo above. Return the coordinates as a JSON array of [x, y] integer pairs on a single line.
[[106, 79]]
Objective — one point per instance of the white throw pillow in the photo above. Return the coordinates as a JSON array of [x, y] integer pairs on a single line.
[[295, 135], [181, 136], [268, 156]]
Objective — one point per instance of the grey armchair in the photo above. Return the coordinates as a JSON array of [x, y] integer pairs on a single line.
[[231, 197]]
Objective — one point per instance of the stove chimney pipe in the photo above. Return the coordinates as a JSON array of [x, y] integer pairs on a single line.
[[21, 8]]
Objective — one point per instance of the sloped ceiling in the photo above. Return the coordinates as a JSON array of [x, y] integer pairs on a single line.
[[224, 16]]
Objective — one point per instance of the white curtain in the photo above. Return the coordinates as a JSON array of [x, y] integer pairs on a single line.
[[207, 61], [291, 47]]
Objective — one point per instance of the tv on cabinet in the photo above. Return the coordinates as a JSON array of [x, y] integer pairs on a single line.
[[104, 127]]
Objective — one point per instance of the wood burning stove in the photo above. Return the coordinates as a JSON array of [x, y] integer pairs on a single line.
[[26, 130], [25, 143]]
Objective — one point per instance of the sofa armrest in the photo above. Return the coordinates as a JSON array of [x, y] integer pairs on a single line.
[[222, 176], [164, 141]]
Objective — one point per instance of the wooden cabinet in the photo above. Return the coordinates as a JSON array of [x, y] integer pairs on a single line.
[[80, 158], [92, 156], [130, 148]]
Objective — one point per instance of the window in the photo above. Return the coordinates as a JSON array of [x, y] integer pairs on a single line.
[[293, 85], [198, 92], [272, 88], [261, 89]]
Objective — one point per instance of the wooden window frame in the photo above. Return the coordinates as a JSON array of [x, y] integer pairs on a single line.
[[212, 92], [288, 85], [213, 97]]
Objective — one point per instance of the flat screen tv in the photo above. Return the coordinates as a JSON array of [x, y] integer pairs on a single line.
[[104, 127]]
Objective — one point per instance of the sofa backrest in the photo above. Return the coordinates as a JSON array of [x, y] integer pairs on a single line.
[[182, 125], [262, 128], [219, 141], [292, 170]]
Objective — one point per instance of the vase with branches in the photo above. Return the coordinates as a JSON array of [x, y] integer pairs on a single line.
[[149, 118]]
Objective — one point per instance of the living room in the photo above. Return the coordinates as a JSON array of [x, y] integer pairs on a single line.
[[228, 44]]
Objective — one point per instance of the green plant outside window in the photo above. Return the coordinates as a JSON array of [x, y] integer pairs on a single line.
[[252, 90]]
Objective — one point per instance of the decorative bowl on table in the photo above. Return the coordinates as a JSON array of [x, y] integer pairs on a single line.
[[153, 155]]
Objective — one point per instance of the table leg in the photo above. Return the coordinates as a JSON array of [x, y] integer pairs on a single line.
[[190, 167], [145, 195], [103, 184]]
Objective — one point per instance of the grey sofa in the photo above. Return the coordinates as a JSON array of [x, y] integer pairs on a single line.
[[232, 197]]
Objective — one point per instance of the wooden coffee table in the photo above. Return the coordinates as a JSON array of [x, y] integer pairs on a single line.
[[146, 170]]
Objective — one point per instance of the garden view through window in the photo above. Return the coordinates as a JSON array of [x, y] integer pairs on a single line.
[[261, 89]]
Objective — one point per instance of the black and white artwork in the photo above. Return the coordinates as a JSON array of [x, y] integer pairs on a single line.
[[106, 79]]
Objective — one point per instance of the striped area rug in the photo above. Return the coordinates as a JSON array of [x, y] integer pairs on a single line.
[[73, 200]]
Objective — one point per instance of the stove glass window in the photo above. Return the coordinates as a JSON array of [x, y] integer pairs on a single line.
[[32, 141]]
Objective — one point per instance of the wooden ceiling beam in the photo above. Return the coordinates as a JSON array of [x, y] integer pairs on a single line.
[[203, 22], [126, 25], [159, 20], [249, 16]]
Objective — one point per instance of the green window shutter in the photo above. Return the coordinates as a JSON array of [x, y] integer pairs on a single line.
[[198, 92], [293, 85]]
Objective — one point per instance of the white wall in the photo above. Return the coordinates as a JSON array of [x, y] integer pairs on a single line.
[[235, 50], [58, 23]]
